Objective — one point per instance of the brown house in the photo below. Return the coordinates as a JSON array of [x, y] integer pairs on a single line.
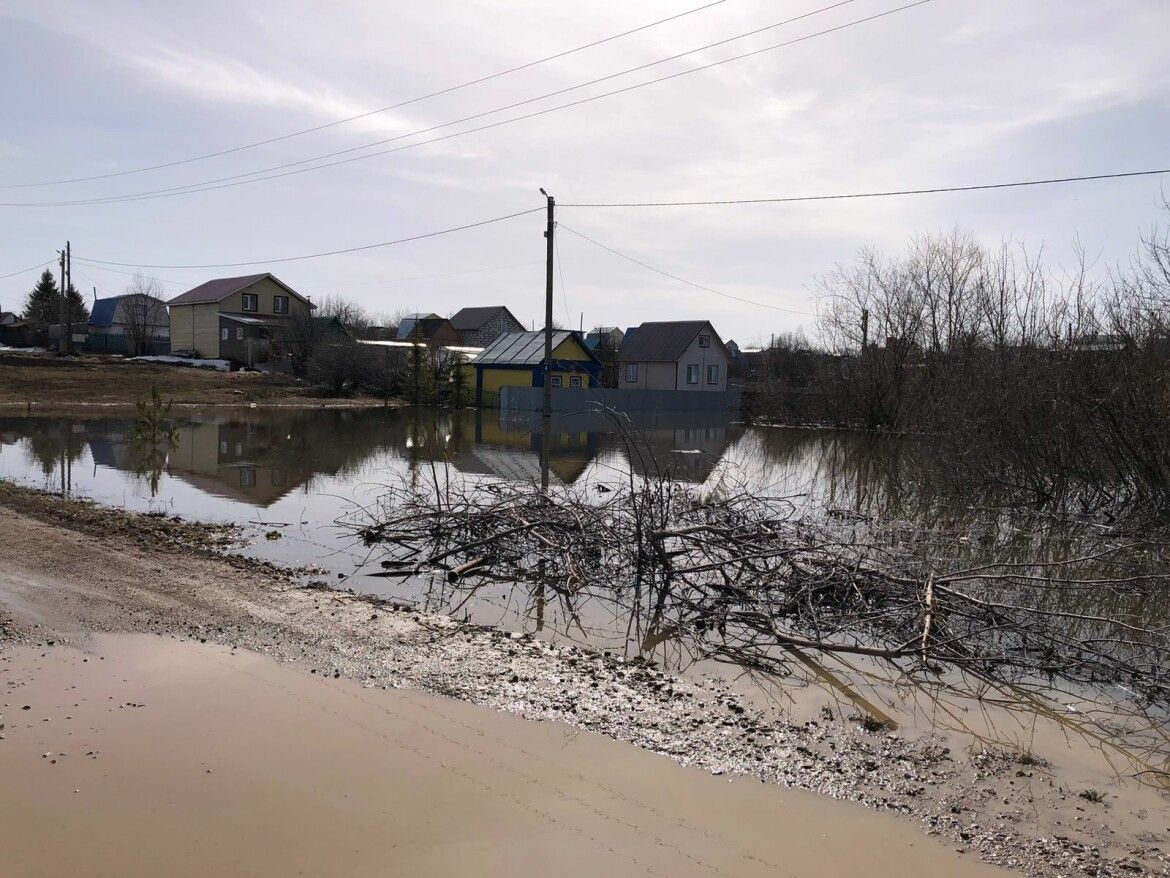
[[235, 318]]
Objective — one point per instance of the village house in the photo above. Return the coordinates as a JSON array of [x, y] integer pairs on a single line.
[[133, 324], [479, 327], [235, 318], [609, 335], [516, 359], [430, 329], [685, 355]]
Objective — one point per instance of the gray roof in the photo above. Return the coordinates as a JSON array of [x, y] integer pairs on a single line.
[[662, 342], [466, 319], [219, 289], [520, 348]]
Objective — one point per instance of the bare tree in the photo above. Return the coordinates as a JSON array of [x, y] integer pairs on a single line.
[[143, 312]]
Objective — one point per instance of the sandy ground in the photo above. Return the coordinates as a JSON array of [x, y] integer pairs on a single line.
[[114, 572], [149, 756]]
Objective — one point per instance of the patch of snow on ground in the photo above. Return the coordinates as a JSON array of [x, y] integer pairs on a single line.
[[218, 365]]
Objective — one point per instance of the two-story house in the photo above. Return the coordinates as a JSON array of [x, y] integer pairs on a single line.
[[479, 327], [677, 355], [235, 318]]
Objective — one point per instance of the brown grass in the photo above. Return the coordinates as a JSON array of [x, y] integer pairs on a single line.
[[46, 382]]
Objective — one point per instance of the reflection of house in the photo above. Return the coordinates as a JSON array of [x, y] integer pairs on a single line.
[[516, 359], [676, 355], [130, 324], [234, 318], [514, 454], [430, 329], [479, 327], [245, 461]]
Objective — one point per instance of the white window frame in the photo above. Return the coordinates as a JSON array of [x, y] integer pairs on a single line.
[[280, 304], [555, 380], [575, 381], [224, 333], [692, 373], [255, 300], [713, 373], [704, 341], [631, 373], [239, 333]]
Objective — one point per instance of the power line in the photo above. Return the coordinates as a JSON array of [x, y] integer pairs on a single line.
[[886, 194], [238, 179], [399, 280], [397, 106], [561, 273], [683, 280], [30, 268], [357, 249]]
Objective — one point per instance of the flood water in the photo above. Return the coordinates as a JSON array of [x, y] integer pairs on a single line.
[[294, 479]]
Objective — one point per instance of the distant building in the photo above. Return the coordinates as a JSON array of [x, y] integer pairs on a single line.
[[132, 324], [235, 318], [430, 329], [479, 327], [683, 355], [595, 336], [516, 359], [15, 331]]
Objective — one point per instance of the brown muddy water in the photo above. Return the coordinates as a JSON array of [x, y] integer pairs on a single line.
[[293, 480]]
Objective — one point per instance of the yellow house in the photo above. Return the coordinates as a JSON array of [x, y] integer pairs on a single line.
[[516, 359], [235, 318]]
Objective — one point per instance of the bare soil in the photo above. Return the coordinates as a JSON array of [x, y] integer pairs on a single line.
[[65, 574]]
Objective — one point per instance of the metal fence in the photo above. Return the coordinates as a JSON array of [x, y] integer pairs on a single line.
[[103, 343], [571, 400]]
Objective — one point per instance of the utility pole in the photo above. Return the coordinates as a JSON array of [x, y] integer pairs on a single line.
[[548, 335], [61, 306], [864, 329], [65, 298]]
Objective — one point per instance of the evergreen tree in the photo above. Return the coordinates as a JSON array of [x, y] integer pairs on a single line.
[[44, 302], [78, 311]]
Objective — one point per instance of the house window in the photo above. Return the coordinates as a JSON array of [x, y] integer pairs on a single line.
[[239, 333], [224, 334], [712, 374], [704, 341], [631, 373], [247, 478], [575, 381], [280, 304], [692, 373], [251, 302], [556, 380]]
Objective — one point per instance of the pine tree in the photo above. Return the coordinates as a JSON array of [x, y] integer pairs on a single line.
[[44, 302], [78, 311]]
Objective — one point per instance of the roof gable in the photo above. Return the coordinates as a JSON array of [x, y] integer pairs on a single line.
[[663, 341], [468, 319], [220, 288]]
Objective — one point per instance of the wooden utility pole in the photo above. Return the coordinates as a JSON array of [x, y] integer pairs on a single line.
[[864, 329], [61, 308], [546, 409], [68, 328]]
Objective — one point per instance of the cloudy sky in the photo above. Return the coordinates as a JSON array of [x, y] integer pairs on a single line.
[[950, 92]]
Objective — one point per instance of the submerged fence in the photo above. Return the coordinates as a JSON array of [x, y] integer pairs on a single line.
[[574, 399]]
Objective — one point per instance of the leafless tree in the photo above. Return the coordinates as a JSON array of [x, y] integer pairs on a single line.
[[143, 312]]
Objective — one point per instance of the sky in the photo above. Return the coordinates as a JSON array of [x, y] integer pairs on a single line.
[[947, 93]]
